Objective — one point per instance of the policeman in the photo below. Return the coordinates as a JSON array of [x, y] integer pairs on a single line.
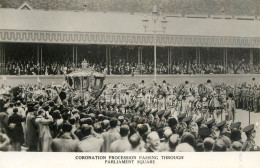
[[249, 144], [236, 132], [221, 126], [199, 121], [160, 114], [210, 125], [243, 97], [256, 102], [238, 97], [189, 128]]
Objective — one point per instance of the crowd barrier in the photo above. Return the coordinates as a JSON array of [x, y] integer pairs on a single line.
[[233, 79]]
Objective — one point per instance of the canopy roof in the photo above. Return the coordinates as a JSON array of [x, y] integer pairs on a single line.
[[85, 73], [25, 24]]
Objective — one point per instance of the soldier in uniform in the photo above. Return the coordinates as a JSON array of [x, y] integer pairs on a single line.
[[238, 97], [236, 132], [181, 125], [243, 97], [256, 100], [160, 114], [247, 100], [210, 125], [189, 128], [251, 99], [199, 121], [249, 144]]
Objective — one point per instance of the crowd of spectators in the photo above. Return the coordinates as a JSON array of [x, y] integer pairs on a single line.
[[53, 123], [126, 68]]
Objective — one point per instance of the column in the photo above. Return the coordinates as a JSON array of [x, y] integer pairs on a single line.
[[76, 55], [41, 59], [224, 60], [141, 54], [251, 59], [107, 57], [138, 59], [1, 59], [73, 57], [38, 59], [168, 60]]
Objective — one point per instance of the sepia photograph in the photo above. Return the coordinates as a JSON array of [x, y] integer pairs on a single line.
[[130, 82]]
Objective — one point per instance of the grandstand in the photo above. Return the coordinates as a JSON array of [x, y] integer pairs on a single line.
[[217, 35]]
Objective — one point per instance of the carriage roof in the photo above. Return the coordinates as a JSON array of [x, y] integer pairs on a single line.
[[85, 73]]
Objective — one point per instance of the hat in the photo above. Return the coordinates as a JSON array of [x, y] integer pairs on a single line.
[[148, 111], [187, 119], [113, 104], [199, 120], [154, 111], [142, 109], [131, 105], [235, 125], [248, 129], [167, 113], [137, 107], [181, 116], [210, 122], [102, 103], [160, 113], [119, 105], [120, 117], [128, 116], [205, 131], [141, 104], [221, 124], [108, 104], [218, 112]]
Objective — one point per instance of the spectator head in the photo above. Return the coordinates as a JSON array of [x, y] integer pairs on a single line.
[[142, 129], [184, 147], [15, 110], [236, 146], [124, 130], [187, 137], [98, 127], [72, 121], [167, 133], [56, 114], [174, 141], [11, 105], [113, 122], [46, 107], [235, 135], [86, 129], [227, 141], [219, 146], [18, 103], [172, 122], [65, 116], [135, 140], [66, 127], [208, 144], [40, 112], [153, 140]]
